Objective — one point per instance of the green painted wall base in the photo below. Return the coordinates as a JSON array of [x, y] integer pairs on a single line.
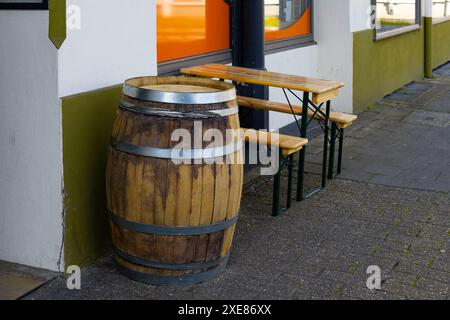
[[381, 67], [428, 25], [441, 43], [57, 30], [87, 121]]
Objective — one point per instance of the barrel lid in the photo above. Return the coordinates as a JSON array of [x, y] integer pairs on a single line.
[[179, 90]]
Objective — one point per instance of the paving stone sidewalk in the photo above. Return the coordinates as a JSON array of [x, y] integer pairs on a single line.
[[390, 208]]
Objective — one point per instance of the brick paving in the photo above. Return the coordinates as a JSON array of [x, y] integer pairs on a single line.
[[390, 208]]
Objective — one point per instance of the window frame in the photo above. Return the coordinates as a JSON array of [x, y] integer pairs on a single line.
[[398, 31], [43, 5], [172, 67]]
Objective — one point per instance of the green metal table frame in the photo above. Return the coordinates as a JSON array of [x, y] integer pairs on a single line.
[[303, 125], [336, 134], [283, 163]]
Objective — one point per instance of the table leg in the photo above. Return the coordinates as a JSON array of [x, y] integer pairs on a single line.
[[325, 146], [332, 151], [289, 190], [341, 146], [276, 189], [301, 165]]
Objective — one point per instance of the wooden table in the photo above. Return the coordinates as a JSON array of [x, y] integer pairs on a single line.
[[321, 90], [316, 93]]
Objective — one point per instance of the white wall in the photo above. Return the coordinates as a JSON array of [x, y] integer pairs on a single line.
[[360, 15], [330, 59], [104, 51], [116, 41], [301, 61], [30, 142], [335, 48]]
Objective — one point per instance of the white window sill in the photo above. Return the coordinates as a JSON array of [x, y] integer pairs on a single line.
[[396, 32], [441, 20]]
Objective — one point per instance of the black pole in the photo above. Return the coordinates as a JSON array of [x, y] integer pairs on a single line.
[[248, 52]]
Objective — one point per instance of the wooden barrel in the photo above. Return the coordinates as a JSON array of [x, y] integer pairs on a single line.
[[173, 223]]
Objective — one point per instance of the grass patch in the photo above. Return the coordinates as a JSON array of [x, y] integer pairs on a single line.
[[415, 282], [431, 262], [374, 250], [408, 249], [354, 268], [396, 22], [338, 290]]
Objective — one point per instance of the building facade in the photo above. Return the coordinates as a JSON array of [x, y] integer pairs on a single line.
[[62, 67]]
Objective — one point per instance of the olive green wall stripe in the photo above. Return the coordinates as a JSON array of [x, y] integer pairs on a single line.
[[428, 25], [57, 31], [87, 120], [441, 43], [381, 67]]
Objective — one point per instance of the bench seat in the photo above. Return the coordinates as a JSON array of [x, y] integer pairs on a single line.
[[343, 120], [288, 144]]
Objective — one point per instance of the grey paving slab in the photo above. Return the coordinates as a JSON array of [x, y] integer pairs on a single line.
[[443, 71], [429, 118], [319, 250], [412, 153], [410, 92]]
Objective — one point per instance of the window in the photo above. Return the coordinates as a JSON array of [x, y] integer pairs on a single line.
[[441, 8], [198, 31], [188, 28], [393, 15], [286, 18]]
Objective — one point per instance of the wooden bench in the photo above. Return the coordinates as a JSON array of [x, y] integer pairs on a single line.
[[288, 146], [339, 121]]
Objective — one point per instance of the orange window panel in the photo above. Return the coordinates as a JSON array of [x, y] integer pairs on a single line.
[[191, 27], [299, 28]]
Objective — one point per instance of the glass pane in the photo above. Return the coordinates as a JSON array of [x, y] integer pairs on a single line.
[[287, 18], [281, 14], [395, 14], [441, 8], [191, 27]]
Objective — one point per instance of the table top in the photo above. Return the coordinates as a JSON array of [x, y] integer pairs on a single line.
[[266, 78]]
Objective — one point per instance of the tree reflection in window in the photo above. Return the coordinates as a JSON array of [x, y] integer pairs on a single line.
[[394, 14], [281, 14], [441, 8]]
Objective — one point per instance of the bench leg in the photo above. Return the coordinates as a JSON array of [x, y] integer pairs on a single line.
[[301, 165], [276, 190], [341, 146], [301, 175], [276, 206], [290, 173], [332, 151], [325, 147]]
